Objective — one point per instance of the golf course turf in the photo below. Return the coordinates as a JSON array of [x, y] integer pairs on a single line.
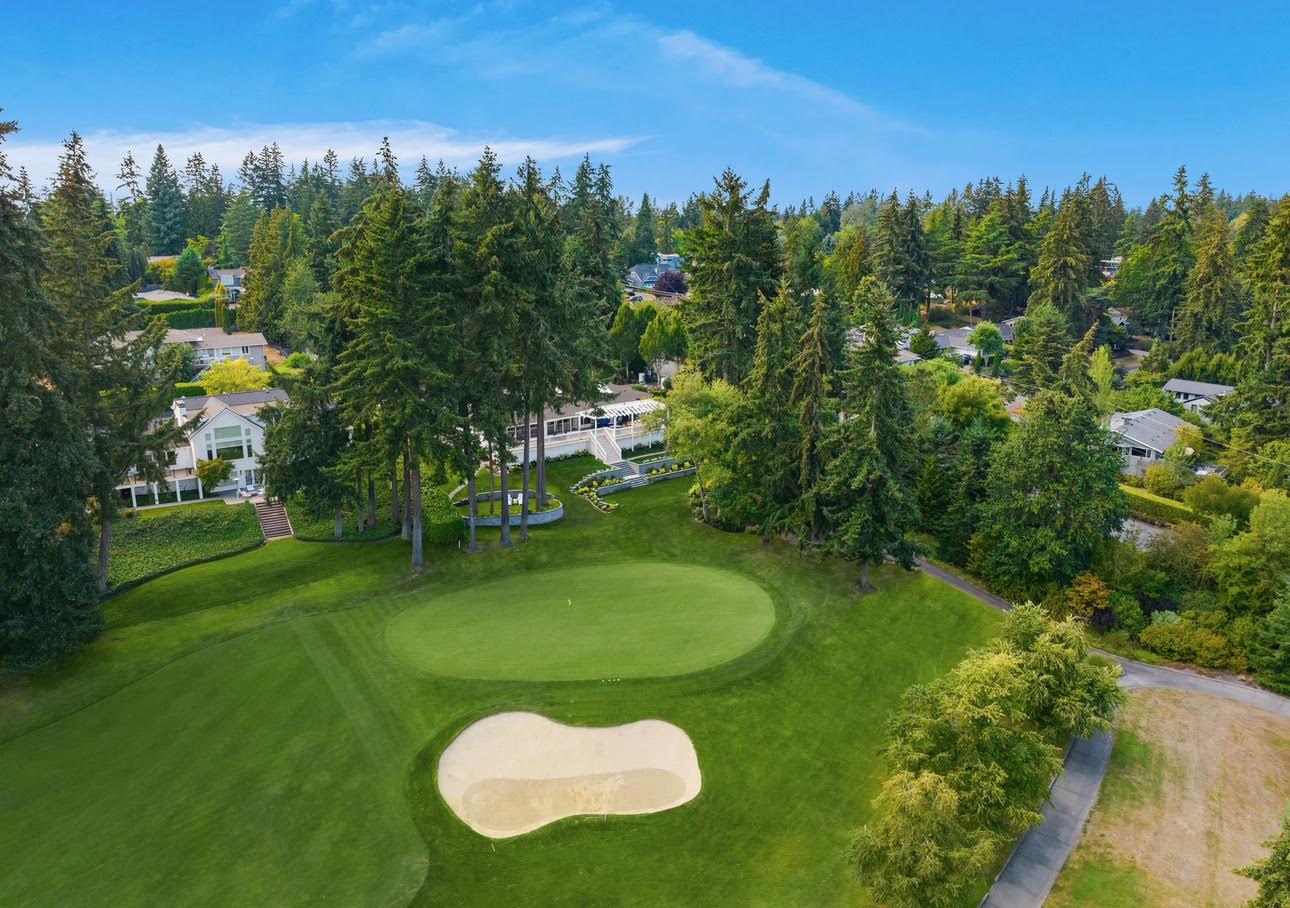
[[633, 619], [244, 734]]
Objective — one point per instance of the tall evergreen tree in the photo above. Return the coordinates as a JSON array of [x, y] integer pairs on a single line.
[[305, 441], [644, 242], [1061, 275], [901, 258], [46, 460], [1208, 314], [133, 205], [735, 263], [867, 500], [1256, 415], [392, 379], [237, 230], [276, 242], [205, 198], [767, 428], [320, 242], [122, 384], [1042, 341], [1052, 497], [166, 228]]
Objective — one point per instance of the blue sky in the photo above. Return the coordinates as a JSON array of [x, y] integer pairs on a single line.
[[813, 96]]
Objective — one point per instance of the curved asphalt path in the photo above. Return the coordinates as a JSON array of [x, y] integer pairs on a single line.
[[1032, 868]]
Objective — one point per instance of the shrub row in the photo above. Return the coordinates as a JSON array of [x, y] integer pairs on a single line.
[[167, 306], [191, 318], [589, 493], [189, 389], [1154, 509]]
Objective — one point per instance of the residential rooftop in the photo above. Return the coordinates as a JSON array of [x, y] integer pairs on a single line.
[[1201, 388], [1153, 428]]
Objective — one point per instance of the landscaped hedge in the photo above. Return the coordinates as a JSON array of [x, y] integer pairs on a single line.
[[1154, 509], [191, 318], [148, 543], [442, 523], [168, 306], [189, 389]]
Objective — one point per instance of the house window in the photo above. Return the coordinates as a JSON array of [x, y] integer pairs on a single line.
[[228, 443], [246, 350]]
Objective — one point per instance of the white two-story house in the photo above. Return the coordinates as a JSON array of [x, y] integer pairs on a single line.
[[226, 426]]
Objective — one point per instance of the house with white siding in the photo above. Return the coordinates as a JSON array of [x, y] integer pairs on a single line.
[[604, 428], [225, 426]]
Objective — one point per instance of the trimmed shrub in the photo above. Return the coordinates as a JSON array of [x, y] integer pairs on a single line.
[[1187, 642], [189, 389], [192, 318], [441, 524], [164, 307], [1154, 509]]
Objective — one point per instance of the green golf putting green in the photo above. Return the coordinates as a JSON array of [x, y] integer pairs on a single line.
[[637, 619]]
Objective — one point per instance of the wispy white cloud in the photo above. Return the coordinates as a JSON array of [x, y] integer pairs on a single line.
[[585, 47], [709, 60], [226, 146]]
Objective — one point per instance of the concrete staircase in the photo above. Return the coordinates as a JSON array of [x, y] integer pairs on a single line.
[[273, 520]]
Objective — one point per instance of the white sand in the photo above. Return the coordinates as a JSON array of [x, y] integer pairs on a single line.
[[514, 772]]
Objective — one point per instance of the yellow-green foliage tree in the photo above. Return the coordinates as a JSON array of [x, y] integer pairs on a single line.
[[235, 375]]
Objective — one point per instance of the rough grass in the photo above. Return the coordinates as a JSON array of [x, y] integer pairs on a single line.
[[590, 622], [243, 735], [1195, 784], [154, 541]]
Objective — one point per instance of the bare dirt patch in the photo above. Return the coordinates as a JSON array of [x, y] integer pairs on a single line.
[[1196, 784], [514, 772]]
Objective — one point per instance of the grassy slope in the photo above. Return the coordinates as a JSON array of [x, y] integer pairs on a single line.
[[244, 736], [161, 539]]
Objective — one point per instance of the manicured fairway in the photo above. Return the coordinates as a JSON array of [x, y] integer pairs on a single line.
[[244, 735], [634, 619]]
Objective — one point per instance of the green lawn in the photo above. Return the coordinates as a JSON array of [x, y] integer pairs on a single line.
[[149, 542], [585, 623], [244, 735]]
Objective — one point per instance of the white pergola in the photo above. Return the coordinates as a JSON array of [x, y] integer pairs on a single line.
[[631, 408]]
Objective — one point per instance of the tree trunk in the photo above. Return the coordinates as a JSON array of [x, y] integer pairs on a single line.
[[703, 498], [524, 495], [340, 521], [395, 501], [405, 531], [358, 507], [492, 486], [371, 500], [472, 510], [541, 456], [105, 552], [506, 503], [418, 544], [863, 585]]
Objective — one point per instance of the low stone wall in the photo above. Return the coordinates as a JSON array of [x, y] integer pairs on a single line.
[[536, 518], [649, 480]]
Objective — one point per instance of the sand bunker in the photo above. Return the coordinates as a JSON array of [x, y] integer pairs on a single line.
[[514, 772]]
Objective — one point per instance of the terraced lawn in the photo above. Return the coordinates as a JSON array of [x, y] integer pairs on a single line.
[[250, 732]]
